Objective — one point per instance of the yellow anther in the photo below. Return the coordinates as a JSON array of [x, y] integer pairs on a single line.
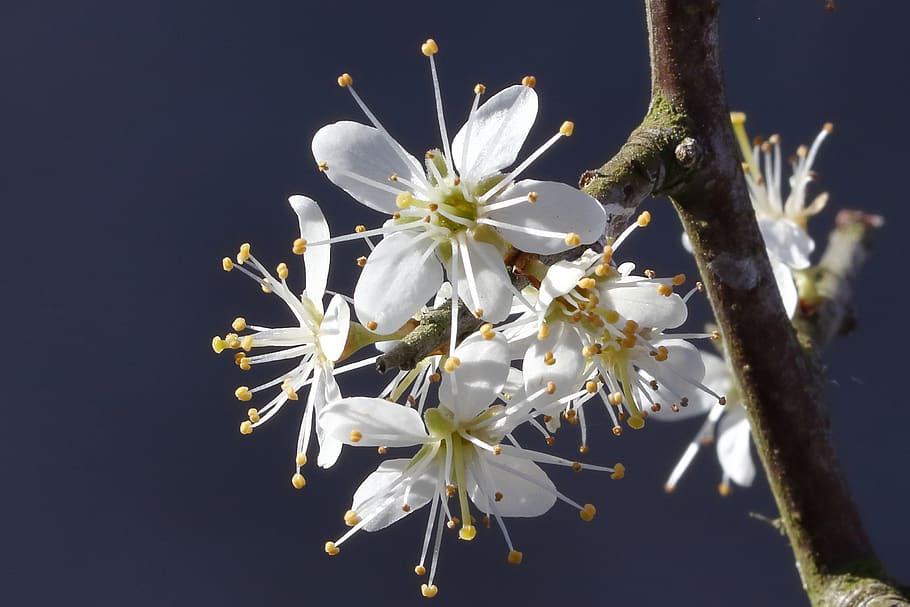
[[715, 335], [615, 398], [679, 279], [265, 288], [543, 332], [549, 359], [583, 449], [323, 166], [567, 128], [467, 533], [239, 324], [587, 283], [550, 440], [829, 127], [628, 342], [404, 200], [450, 490], [356, 436], [619, 471], [435, 377], [300, 460], [551, 387], [393, 177], [529, 81], [572, 239], [515, 557], [218, 345], [371, 325], [601, 270], [232, 341], [288, 389], [617, 431], [497, 496], [591, 387], [451, 364], [486, 330], [611, 316], [587, 513], [478, 312], [244, 253], [246, 342], [429, 591], [738, 118], [244, 363], [452, 523], [576, 466], [361, 261], [429, 47], [665, 290], [227, 264], [243, 394], [282, 270], [246, 428], [298, 481], [360, 228], [479, 89], [644, 219], [351, 518], [405, 508], [331, 549], [420, 570], [655, 407], [253, 414], [299, 246], [774, 139], [345, 80], [636, 422], [497, 449], [724, 489], [382, 450], [532, 197], [650, 273]]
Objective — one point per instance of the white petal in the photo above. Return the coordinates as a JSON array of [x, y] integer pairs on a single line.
[[526, 489], [489, 274], [483, 371], [786, 241], [683, 361], [563, 276], [313, 227], [323, 390], [398, 279], [565, 345], [498, 130], [379, 422], [333, 332], [559, 208], [364, 151], [639, 300], [786, 286], [386, 488], [733, 447]]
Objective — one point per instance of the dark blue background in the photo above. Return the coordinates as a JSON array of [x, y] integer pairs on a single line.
[[143, 141]]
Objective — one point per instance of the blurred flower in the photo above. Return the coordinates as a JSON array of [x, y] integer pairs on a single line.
[[457, 210]]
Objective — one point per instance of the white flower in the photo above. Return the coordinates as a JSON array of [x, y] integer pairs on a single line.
[[461, 455], [457, 211], [727, 424], [317, 342], [782, 221]]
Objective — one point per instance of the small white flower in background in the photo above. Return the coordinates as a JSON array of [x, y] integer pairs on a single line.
[[317, 342], [782, 221], [725, 424], [601, 327], [458, 210], [461, 455]]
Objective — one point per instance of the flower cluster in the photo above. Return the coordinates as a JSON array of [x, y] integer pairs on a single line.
[[466, 229]]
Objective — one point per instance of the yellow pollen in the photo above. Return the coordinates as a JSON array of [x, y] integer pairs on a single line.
[[479, 89], [617, 431], [829, 127], [478, 312], [551, 387], [550, 440], [587, 283], [644, 219], [246, 342], [615, 398], [486, 330], [452, 523], [226, 264], [244, 363], [450, 490], [351, 518], [723, 489], [356, 436], [405, 508], [601, 270], [549, 359], [361, 261], [532, 197], [371, 325], [543, 332], [591, 387], [282, 270], [253, 414], [665, 290], [299, 246], [239, 324], [331, 549], [715, 335], [298, 481], [679, 279], [382, 450], [576, 466], [244, 253], [451, 364], [429, 591], [322, 166], [345, 80], [515, 557], [243, 393], [529, 81], [567, 128], [587, 513], [420, 570], [572, 239], [232, 341], [467, 533], [497, 449], [619, 471], [429, 47], [289, 389], [246, 428], [300, 460], [636, 422], [631, 327], [218, 345], [393, 177], [611, 316], [404, 200], [608, 254], [650, 273], [583, 449], [265, 288], [628, 342]]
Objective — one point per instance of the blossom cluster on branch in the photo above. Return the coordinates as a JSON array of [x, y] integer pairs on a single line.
[[468, 229]]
